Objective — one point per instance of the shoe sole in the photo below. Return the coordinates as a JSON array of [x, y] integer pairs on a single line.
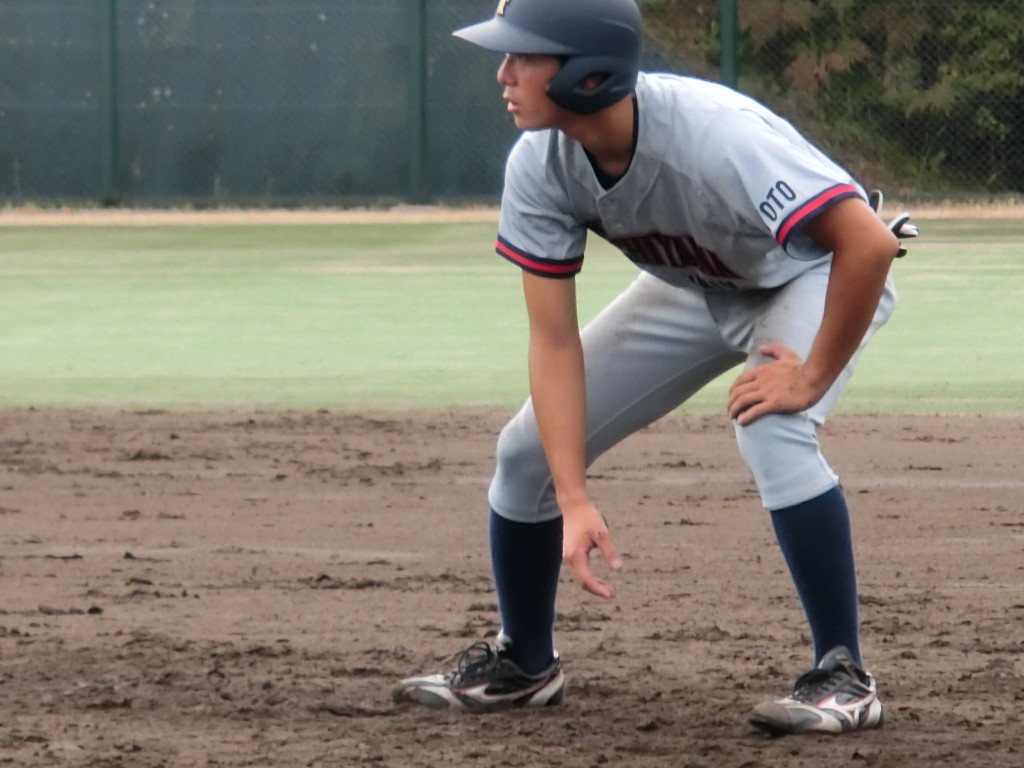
[[775, 720], [441, 697]]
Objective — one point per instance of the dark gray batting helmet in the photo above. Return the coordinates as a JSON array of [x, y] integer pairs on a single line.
[[594, 37]]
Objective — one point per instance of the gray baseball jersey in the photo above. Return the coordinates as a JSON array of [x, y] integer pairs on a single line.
[[714, 198]]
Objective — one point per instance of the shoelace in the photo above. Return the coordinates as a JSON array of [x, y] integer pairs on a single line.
[[474, 661], [812, 685]]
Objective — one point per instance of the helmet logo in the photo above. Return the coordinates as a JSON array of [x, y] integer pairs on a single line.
[[502, 5]]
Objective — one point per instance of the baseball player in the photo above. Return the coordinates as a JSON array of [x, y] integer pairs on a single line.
[[752, 247]]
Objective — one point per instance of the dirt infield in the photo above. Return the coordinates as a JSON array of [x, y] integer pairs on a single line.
[[232, 589]]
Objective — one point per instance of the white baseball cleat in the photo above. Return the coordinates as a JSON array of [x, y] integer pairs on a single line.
[[484, 679], [834, 697]]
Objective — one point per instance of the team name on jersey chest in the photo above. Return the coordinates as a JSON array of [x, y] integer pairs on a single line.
[[655, 249]]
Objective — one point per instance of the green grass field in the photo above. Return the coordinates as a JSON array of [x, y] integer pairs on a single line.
[[407, 317]]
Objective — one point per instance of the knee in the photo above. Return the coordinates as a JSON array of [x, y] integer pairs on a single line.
[[519, 450], [521, 488], [772, 442], [783, 455]]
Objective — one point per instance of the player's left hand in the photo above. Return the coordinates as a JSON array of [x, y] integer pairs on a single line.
[[779, 386], [584, 530]]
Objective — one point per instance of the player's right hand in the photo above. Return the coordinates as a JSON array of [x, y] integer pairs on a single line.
[[583, 530]]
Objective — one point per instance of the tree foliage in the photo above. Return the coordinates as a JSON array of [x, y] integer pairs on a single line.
[[930, 91]]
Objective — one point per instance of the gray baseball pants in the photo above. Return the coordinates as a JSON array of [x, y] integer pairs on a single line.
[[657, 344]]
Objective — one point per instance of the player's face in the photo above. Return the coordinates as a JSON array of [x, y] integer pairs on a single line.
[[525, 77]]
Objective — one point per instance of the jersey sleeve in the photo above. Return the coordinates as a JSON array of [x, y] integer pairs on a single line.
[[777, 180], [537, 230]]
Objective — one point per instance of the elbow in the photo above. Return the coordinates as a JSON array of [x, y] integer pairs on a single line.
[[878, 248], [889, 247]]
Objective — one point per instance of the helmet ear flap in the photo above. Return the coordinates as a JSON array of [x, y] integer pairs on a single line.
[[569, 90]]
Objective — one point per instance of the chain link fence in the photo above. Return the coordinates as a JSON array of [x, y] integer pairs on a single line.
[[356, 102], [924, 97], [243, 102]]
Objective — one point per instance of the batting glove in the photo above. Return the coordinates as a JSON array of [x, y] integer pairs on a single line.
[[900, 226]]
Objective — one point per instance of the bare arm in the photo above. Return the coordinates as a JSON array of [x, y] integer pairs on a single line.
[[863, 249], [558, 389]]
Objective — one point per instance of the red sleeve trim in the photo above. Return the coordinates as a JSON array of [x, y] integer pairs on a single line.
[[535, 265], [812, 208]]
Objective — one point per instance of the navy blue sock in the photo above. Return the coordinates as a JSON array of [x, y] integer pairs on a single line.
[[816, 542], [526, 559]]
